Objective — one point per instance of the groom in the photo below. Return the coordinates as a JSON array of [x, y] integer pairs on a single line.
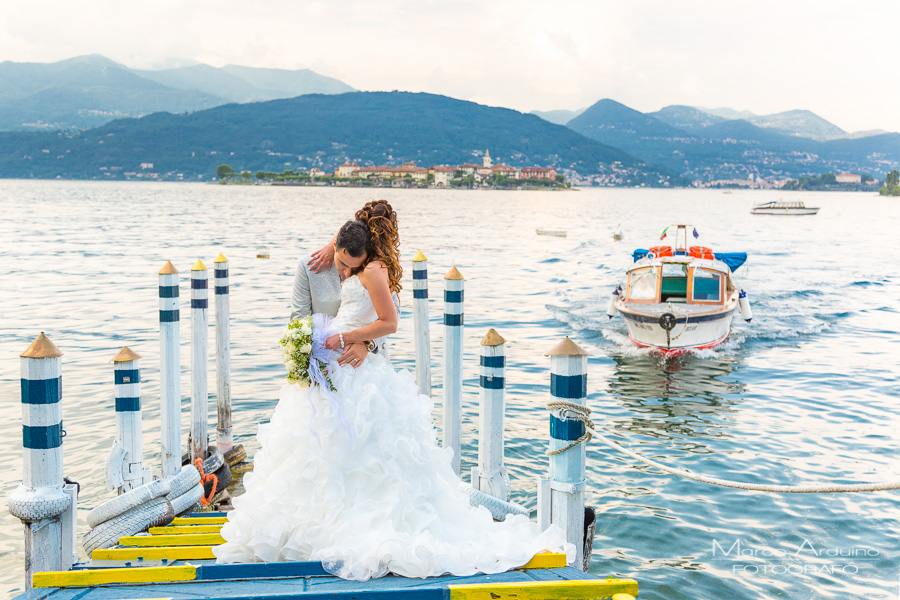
[[317, 286]]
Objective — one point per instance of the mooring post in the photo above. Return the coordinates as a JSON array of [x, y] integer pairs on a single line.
[[491, 476], [224, 438], [561, 497], [170, 370], [41, 499], [453, 353], [199, 366], [125, 470], [420, 321]]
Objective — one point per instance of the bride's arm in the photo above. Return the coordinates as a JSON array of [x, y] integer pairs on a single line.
[[323, 258], [375, 279]]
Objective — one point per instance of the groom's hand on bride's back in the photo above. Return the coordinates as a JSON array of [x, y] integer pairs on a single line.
[[354, 354]]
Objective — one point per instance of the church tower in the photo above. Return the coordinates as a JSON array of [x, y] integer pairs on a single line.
[[487, 159]]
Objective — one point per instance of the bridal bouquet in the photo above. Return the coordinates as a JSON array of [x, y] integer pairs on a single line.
[[304, 353], [309, 362]]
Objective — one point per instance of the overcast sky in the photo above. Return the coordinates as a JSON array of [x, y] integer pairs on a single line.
[[837, 59]]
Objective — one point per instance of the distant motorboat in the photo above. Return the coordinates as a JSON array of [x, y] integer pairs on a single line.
[[618, 234], [781, 207], [553, 232]]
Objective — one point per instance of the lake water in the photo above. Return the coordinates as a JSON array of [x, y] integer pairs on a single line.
[[806, 393]]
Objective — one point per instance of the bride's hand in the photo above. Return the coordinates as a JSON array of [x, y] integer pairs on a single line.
[[354, 355], [322, 258], [333, 342]]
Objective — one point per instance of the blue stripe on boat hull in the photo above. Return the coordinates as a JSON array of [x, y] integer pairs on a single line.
[[678, 319]]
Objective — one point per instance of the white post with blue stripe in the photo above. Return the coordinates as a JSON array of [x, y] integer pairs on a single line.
[[421, 325], [125, 470], [41, 499], [561, 497], [491, 476], [199, 360], [224, 436], [453, 353], [170, 370]]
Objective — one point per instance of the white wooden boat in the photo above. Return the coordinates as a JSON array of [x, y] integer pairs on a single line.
[[681, 297], [618, 234], [782, 207], [553, 232]]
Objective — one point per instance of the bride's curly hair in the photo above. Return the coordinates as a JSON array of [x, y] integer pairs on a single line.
[[384, 239]]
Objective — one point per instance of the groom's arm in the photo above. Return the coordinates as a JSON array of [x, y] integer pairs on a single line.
[[301, 299]]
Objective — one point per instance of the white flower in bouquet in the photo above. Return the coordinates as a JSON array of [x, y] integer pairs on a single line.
[[296, 347]]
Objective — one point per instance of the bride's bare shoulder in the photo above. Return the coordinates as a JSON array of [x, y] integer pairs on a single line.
[[374, 271]]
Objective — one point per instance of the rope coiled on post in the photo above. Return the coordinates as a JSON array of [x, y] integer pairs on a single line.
[[581, 413]]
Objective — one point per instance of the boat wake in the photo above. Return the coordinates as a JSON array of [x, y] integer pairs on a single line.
[[591, 320]]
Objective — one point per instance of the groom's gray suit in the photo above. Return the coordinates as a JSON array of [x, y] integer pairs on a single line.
[[321, 293]]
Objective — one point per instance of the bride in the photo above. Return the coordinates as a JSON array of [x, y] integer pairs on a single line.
[[360, 484]]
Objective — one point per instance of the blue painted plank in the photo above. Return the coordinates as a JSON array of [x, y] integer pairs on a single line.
[[387, 594], [301, 588], [259, 570]]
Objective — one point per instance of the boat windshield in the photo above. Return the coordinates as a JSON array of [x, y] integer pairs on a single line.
[[674, 282], [642, 285], [707, 286]]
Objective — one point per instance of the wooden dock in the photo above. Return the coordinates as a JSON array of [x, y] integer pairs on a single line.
[[177, 562]]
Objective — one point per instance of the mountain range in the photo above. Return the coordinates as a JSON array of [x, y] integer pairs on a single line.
[[273, 119], [89, 91], [317, 130], [705, 146], [801, 123]]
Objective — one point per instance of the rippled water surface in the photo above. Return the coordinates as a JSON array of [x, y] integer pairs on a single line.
[[807, 393]]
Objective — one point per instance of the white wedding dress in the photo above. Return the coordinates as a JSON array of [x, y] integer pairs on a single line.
[[387, 502]]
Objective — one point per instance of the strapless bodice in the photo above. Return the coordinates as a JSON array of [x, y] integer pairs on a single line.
[[356, 308]]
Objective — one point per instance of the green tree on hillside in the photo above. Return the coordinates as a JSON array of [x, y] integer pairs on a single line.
[[224, 172], [891, 184], [893, 179]]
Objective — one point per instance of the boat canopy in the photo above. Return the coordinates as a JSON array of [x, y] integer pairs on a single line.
[[732, 259]]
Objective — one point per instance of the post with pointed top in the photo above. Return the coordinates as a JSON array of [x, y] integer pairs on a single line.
[[453, 352], [199, 366], [421, 326], [224, 439], [124, 469], [561, 497], [170, 370], [490, 476], [41, 499]]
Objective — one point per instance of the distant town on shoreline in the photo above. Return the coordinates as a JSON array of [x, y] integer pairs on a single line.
[[503, 176], [407, 175]]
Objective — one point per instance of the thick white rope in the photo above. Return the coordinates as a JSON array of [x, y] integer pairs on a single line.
[[581, 413]]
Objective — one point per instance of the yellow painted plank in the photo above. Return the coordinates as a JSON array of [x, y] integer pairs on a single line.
[[170, 530], [546, 560], [169, 552], [199, 520], [545, 590], [192, 539], [104, 576]]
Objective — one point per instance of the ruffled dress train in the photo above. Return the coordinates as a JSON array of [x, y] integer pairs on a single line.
[[371, 492]]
